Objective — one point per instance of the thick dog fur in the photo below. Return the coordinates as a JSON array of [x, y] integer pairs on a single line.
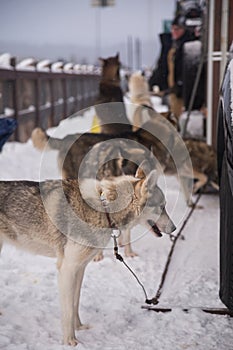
[[139, 91], [54, 218], [140, 96], [73, 148], [109, 106]]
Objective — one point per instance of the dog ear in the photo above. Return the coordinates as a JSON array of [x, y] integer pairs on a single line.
[[143, 169], [117, 55], [101, 60]]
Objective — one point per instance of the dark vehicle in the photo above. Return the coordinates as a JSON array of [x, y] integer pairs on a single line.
[[225, 169]]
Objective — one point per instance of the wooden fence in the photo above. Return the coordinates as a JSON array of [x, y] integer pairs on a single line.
[[43, 98]]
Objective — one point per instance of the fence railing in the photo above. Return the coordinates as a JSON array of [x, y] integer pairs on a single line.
[[43, 98]]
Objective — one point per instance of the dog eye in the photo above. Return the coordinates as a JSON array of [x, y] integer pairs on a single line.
[[162, 207]]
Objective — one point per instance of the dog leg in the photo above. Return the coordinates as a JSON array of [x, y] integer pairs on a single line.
[[201, 180], [214, 185], [66, 282], [78, 324], [125, 241], [99, 256], [75, 259]]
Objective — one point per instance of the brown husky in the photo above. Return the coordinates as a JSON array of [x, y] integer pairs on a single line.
[[66, 220], [109, 106], [73, 148]]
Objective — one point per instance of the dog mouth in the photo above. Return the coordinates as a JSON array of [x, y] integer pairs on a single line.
[[154, 228]]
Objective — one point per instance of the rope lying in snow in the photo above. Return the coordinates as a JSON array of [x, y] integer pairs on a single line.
[[155, 299], [115, 234]]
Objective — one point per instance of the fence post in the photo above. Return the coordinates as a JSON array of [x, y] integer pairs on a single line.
[[37, 98], [15, 97], [64, 92], [51, 91]]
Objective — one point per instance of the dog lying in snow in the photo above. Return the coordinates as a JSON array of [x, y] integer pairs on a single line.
[[66, 220]]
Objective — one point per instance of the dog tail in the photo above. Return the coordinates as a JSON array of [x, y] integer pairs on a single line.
[[41, 140]]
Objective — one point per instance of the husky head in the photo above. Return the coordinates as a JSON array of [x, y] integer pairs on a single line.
[[138, 85], [111, 68], [154, 214]]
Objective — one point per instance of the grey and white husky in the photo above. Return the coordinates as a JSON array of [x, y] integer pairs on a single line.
[[66, 220]]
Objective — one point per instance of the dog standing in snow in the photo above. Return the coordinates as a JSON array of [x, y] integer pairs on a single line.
[[66, 220]]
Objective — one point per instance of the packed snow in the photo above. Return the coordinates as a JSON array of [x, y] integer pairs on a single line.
[[111, 299]]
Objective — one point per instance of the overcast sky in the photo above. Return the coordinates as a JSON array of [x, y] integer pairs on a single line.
[[49, 24]]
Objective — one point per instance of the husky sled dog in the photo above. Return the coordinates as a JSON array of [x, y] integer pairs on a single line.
[[140, 96], [139, 90], [204, 162], [65, 220], [73, 148], [109, 106]]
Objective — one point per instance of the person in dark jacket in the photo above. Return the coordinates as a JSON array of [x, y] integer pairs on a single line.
[[180, 35], [168, 73]]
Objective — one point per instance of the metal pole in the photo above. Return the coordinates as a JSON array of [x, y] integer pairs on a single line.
[[211, 7], [98, 32], [130, 52], [224, 37]]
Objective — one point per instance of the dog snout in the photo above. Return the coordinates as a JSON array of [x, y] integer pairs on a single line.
[[170, 227], [166, 224]]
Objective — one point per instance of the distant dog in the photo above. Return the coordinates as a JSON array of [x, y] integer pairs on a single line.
[[140, 96], [66, 220], [139, 91], [204, 162], [109, 105]]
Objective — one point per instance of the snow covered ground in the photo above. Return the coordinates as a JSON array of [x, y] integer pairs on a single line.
[[111, 299]]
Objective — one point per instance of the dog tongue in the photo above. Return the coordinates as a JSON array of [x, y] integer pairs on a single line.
[[155, 228]]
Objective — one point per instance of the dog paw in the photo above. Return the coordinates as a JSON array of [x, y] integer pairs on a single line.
[[72, 341], [130, 254], [98, 257]]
